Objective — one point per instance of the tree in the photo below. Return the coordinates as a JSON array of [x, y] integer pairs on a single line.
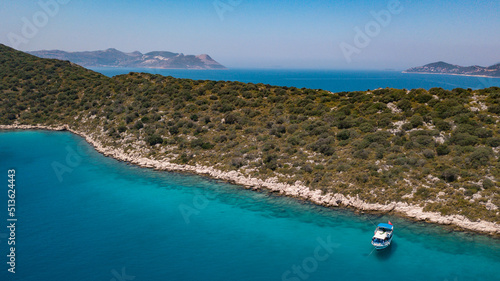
[[154, 139]]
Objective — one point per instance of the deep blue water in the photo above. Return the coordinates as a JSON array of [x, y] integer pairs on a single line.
[[331, 80], [101, 219]]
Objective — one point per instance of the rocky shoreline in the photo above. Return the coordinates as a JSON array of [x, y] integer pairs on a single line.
[[297, 190]]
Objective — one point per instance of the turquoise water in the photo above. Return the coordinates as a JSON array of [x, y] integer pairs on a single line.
[[331, 80], [100, 219]]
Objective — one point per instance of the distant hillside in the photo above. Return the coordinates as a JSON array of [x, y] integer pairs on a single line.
[[446, 68], [115, 58]]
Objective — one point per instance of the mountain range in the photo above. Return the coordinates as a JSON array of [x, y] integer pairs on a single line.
[[446, 68], [115, 58]]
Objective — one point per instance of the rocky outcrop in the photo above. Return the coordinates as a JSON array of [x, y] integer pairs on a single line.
[[297, 190]]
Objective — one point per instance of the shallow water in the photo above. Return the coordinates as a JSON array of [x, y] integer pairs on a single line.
[[106, 220]]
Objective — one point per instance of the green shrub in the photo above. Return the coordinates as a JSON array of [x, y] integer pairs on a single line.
[[481, 156], [362, 154], [407, 126], [429, 154], [154, 139], [423, 140], [379, 153], [344, 135], [487, 184], [324, 146], [129, 118], [463, 139], [271, 161], [422, 192], [483, 133], [367, 127], [450, 174], [494, 109], [442, 150], [443, 125], [423, 98], [493, 142], [122, 128], [185, 158], [466, 128], [380, 137], [138, 125], [404, 105], [471, 189], [416, 120], [173, 130], [201, 143]]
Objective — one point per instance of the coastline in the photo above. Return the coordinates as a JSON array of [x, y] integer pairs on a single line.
[[481, 76], [160, 68], [297, 190]]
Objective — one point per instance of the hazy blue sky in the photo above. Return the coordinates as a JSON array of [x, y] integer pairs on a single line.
[[267, 34]]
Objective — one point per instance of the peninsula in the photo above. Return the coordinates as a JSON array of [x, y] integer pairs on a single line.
[[451, 69], [115, 58], [429, 155]]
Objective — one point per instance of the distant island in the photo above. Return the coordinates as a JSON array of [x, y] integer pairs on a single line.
[[116, 58], [452, 69]]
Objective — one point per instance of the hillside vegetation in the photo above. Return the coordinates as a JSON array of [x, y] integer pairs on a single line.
[[437, 148]]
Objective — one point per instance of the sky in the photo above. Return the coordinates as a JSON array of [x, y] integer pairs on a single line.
[[314, 34]]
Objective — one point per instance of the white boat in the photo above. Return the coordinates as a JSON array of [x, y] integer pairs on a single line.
[[383, 236]]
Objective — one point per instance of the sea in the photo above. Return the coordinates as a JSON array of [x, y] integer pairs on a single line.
[[330, 80], [82, 216]]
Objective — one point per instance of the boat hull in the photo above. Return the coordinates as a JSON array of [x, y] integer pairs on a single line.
[[380, 246]]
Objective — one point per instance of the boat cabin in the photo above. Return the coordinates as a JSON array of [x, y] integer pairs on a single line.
[[383, 233]]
